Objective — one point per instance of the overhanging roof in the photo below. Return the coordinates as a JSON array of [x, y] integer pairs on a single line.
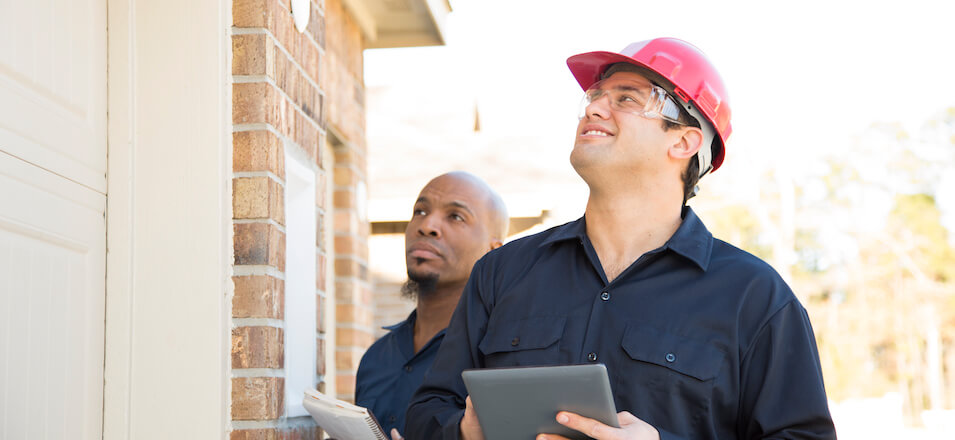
[[400, 23]]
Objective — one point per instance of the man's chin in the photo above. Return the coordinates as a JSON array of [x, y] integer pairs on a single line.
[[423, 268], [419, 275], [419, 285]]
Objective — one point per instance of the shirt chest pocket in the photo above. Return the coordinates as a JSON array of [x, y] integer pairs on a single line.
[[670, 366], [527, 341]]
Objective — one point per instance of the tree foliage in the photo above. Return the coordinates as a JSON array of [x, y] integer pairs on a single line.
[[874, 265]]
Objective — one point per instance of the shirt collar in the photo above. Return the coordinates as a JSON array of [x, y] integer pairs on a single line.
[[575, 230], [404, 333], [691, 240]]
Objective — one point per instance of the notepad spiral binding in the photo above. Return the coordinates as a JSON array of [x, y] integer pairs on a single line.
[[374, 428]]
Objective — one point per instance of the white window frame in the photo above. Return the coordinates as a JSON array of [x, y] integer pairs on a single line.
[[300, 278]]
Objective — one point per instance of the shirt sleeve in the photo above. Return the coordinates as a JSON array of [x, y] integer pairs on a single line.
[[782, 394], [437, 407]]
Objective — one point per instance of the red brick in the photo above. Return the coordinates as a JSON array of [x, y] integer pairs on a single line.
[[252, 54], [320, 357], [366, 295], [307, 136], [258, 296], [350, 337], [297, 432], [349, 267], [258, 150], [347, 360], [300, 432], [347, 291], [258, 198], [345, 176], [316, 26], [259, 244], [258, 347], [258, 398], [353, 314], [254, 434], [345, 384], [320, 230], [320, 272], [258, 103], [320, 142], [345, 221], [343, 198], [346, 245], [250, 13], [345, 157]]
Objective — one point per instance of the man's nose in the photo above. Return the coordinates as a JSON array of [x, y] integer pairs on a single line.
[[430, 226], [599, 107]]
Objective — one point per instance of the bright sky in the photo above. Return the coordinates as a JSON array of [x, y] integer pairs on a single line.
[[804, 77]]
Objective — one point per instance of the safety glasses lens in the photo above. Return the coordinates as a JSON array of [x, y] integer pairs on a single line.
[[650, 101]]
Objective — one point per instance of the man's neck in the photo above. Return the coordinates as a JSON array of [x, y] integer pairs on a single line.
[[434, 313], [622, 227]]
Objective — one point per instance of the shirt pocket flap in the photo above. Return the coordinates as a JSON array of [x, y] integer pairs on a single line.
[[677, 353], [524, 334]]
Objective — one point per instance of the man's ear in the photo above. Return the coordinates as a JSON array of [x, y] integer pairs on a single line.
[[687, 145]]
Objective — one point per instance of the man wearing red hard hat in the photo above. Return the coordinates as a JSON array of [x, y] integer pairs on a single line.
[[700, 339]]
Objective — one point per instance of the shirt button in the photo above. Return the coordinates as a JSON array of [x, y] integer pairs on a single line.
[[592, 357], [408, 368], [515, 341], [393, 419], [670, 357], [605, 296]]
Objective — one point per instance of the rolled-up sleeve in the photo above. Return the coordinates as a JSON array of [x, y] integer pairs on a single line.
[[436, 408], [782, 393]]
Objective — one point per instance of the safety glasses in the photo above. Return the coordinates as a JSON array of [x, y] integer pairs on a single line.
[[649, 101]]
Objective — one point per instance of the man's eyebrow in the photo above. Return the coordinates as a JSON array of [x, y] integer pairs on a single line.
[[461, 205], [628, 88]]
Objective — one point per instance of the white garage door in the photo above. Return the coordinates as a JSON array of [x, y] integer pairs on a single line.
[[52, 225]]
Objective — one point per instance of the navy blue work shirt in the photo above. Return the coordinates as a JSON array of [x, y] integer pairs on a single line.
[[390, 372], [701, 340]]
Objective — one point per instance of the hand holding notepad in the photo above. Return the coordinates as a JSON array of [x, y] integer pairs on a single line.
[[342, 420]]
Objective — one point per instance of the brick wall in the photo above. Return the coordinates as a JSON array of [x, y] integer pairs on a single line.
[[277, 104], [390, 306], [286, 87], [343, 74]]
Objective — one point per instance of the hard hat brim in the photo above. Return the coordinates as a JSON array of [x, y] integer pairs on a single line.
[[588, 67]]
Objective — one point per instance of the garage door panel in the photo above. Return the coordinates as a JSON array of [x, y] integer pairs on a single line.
[[52, 284], [53, 86]]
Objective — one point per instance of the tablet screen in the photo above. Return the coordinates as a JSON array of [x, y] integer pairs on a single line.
[[519, 403]]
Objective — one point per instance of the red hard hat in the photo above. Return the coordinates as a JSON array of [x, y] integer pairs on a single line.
[[692, 78]]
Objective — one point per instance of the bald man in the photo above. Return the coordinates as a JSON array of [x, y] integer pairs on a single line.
[[457, 218]]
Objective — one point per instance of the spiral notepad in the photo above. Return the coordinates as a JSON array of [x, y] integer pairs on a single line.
[[342, 420]]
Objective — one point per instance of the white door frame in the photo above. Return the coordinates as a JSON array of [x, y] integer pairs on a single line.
[[169, 232]]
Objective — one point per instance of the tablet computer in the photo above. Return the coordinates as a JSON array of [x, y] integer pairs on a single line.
[[519, 403]]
